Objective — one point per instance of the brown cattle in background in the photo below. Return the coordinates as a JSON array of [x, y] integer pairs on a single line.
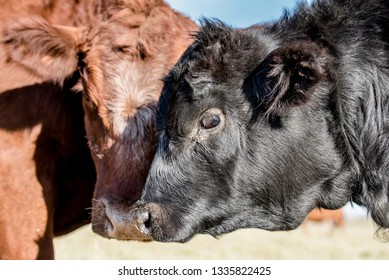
[[116, 57], [319, 215]]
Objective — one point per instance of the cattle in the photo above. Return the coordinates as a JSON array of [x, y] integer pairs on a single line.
[[257, 128], [334, 216], [45, 164], [103, 76]]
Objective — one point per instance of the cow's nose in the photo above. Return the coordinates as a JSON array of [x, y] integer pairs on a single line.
[[142, 219], [120, 223]]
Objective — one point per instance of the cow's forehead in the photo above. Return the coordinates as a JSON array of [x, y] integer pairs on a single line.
[[120, 81], [219, 65], [202, 76]]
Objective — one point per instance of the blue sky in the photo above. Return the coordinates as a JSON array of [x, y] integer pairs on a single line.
[[237, 13]]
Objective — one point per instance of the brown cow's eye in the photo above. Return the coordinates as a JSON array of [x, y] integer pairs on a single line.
[[86, 97], [120, 49], [210, 121]]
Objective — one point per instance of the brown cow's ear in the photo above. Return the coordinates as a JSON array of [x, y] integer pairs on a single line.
[[289, 75], [47, 50]]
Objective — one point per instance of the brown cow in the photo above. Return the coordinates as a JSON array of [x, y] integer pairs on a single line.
[[45, 165], [118, 64], [335, 216]]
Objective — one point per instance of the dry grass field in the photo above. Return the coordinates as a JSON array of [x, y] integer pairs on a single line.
[[312, 241]]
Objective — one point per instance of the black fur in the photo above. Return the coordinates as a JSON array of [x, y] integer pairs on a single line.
[[306, 108]]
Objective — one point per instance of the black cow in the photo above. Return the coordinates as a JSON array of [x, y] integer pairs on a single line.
[[258, 127]]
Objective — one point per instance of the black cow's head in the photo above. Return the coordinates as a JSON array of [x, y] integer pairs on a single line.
[[244, 138]]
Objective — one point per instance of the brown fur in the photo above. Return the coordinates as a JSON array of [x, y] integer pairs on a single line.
[[139, 44], [121, 52], [45, 165]]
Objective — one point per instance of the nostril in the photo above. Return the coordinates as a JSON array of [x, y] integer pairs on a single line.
[[143, 221], [147, 223]]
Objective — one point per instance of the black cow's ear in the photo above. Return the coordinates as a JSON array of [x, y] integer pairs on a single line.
[[288, 76]]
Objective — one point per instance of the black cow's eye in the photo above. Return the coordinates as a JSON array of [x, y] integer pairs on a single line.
[[210, 121]]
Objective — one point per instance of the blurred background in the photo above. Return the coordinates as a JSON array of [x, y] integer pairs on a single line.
[[353, 238]]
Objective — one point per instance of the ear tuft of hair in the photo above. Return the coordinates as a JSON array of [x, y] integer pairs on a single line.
[[212, 31], [46, 50], [289, 75]]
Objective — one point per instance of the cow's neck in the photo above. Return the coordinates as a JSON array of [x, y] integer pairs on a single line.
[[364, 116]]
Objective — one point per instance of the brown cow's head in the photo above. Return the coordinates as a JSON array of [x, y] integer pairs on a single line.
[[117, 64]]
